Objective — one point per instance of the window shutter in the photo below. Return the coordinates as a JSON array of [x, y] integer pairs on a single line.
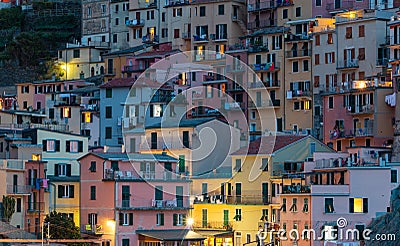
[[151, 110], [68, 170], [162, 219], [345, 54], [333, 57], [351, 205], [184, 219], [343, 77], [60, 191], [80, 146], [56, 170], [61, 113], [121, 219], [365, 205], [327, 81], [44, 143], [353, 53], [71, 191], [67, 146], [130, 218], [57, 145], [353, 76], [175, 219], [326, 58]]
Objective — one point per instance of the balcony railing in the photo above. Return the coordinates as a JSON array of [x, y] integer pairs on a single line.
[[99, 44], [296, 189], [258, 6], [135, 23], [109, 174], [219, 37], [362, 109], [208, 57], [220, 225], [13, 164], [150, 39], [269, 84], [244, 199], [213, 78], [186, 35], [172, 3], [297, 93], [92, 229], [338, 5], [255, 48], [133, 68], [358, 132], [297, 37], [262, 23], [200, 38], [269, 66], [110, 72], [148, 204], [351, 63], [298, 53], [145, 5], [234, 106], [35, 207], [382, 62], [267, 104], [18, 189]]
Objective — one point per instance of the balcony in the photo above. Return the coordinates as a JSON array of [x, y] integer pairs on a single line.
[[13, 164], [99, 44], [262, 23], [110, 72], [292, 94], [298, 53], [382, 62], [297, 37], [147, 204], [135, 23], [219, 225], [270, 84], [296, 189], [147, 4], [235, 106], [256, 48], [348, 64], [186, 35], [134, 69], [265, 67], [268, 104], [248, 199], [215, 78], [362, 109], [175, 3], [221, 37], [358, 132], [235, 68], [200, 38], [209, 57], [18, 189], [35, 207], [92, 229], [332, 6], [260, 6], [150, 39]]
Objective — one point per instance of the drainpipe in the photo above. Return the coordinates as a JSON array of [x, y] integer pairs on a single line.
[[54, 196]]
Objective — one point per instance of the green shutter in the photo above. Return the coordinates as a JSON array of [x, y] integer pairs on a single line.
[[44, 144], [162, 219], [175, 219], [67, 146], [71, 191], [130, 218], [365, 205], [184, 219], [351, 205], [121, 219]]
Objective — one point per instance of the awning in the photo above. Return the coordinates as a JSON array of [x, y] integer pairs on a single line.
[[171, 235], [215, 233]]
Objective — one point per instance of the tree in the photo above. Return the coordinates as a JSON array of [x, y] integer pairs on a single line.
[[62, 228], [9, 207]]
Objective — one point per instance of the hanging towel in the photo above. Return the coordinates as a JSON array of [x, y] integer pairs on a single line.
[[37, 186], [272, 67], [44, 184]]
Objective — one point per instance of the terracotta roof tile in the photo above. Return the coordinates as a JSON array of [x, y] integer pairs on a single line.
[[268, 144]]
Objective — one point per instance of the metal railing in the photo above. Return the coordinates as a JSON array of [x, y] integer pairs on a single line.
[[14, 164], [34, 207], [269, 66], [261, 6], [242, 199], [350, 63], [296, 189], [213, 225], [262, 23], [298, 53], [135, 23], [18, 189], [133, 68], [186, 35], [269, 84], [338, 5]]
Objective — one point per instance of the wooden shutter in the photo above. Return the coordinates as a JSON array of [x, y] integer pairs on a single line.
[[365, 205], [60, 191], [351, 205], [44, 143], [71, 191], [68, 170], [316, 59], [121, 219], [67, 146], [327, 81], [80, 146], [353, 53], [175, 219], [130, 218], [345, 54], [57, 145], [326, 58], [56, 170]]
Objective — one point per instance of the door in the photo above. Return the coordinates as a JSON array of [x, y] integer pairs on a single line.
[[168, 170], [179, 196], [125, 196], [265, 193], [138, 16], [238, 192], [185, 139], [338, 4], [15, 183]]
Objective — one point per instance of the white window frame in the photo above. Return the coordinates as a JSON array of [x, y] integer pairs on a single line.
[[62, 170], [179, 220], [125, 221], [66, 191], [50, 145], [158, 219], [73, 146]]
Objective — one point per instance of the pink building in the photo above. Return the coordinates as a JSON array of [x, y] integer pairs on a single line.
[[330, 189], [147, 201]]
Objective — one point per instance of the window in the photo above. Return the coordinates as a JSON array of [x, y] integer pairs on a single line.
[[226, 217], [305, 66], [92, 219], [92, 192], [318, 3], [92, 167], [51, 145], [202, 11], [74, 146], [361, 31], [238, 165], [330, 58], [358, 205], [19, 205], [296, 105], [349, 32], [65, 191], [305, 205], [221, 9], [317, 40], [238, 214], [89, 11], [125, 219], [25, 104], [108, 112], [179, 219], [108, 132], [156, 110], [109, 93], [204, 217], [51, 113], [125, 242], [117, 21], [330, 102], [264, 214], [163, 17], [316, 59], [330, 38], [293, 208], [329, 206], [115, 38], [103, 8], [77, 53], [361, 54], [295, 67], [283, 207], [62, 170], [116, 8], [393, 176], [298, 12], [160, 219], [264, 164], [285, 14], [181, 163], [176, 33]]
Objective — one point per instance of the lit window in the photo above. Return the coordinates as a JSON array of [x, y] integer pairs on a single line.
[[36, 157], [157, 110], [67, 112], [88, 117], [358, 205]]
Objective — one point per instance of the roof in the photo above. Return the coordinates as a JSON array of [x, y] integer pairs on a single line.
[[85, 89], [119, 82], [268, 144], [156, 54], [126, 51], [9, 231], [172, 235], [132, 156], [182, 123], [269, 30]]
